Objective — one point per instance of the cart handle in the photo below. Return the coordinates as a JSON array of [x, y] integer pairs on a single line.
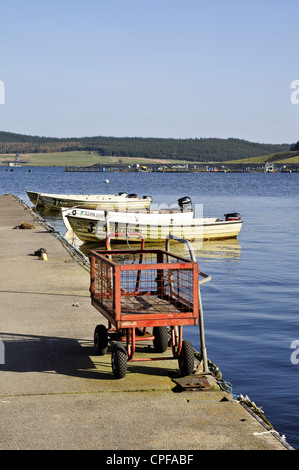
[[131, 234], [206, 277], [201, 320]]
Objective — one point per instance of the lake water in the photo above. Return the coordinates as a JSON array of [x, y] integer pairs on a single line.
[[251, 305]]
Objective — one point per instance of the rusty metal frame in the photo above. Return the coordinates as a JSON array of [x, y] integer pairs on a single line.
[[128, 323]]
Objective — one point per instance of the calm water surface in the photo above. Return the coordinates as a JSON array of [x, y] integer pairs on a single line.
[[251, 304]]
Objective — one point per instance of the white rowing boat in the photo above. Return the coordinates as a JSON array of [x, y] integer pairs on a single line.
[[119, 201], [92, 226]]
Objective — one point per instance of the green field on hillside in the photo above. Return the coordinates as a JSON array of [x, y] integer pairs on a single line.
[[277, 158], [76, 158]]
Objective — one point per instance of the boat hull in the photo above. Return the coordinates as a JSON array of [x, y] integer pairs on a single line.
[[33, 196]]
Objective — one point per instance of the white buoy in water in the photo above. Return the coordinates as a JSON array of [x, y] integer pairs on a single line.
[[106, 181]]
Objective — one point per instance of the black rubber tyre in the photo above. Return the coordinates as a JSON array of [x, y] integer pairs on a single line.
[[186, 358], [119, 361], [161, 338], [100, 340]]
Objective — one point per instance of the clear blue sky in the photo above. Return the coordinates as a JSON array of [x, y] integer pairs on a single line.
[[150, 68]]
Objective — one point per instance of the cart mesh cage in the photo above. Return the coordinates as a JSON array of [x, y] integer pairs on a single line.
[[144, 285]]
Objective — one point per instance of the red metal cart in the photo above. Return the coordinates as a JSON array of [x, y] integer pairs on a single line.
[[140, 289]]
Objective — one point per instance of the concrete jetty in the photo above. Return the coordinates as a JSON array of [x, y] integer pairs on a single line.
[[55, 394]]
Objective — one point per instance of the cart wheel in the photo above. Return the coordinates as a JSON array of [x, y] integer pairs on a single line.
[[161, 338], [119, 361], [100, 340], [186, 358]]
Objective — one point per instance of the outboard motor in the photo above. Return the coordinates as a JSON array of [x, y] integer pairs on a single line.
[[184, 202], [232, 216], [147, 197]]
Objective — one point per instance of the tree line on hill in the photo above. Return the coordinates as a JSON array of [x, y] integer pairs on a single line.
[[294, 147], [197, 150]]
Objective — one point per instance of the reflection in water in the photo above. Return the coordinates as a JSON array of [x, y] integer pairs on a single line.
[[213, 250], [47, 214], [222, 249]]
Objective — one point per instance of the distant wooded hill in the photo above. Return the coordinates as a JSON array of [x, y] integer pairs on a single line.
[[197, 150]]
